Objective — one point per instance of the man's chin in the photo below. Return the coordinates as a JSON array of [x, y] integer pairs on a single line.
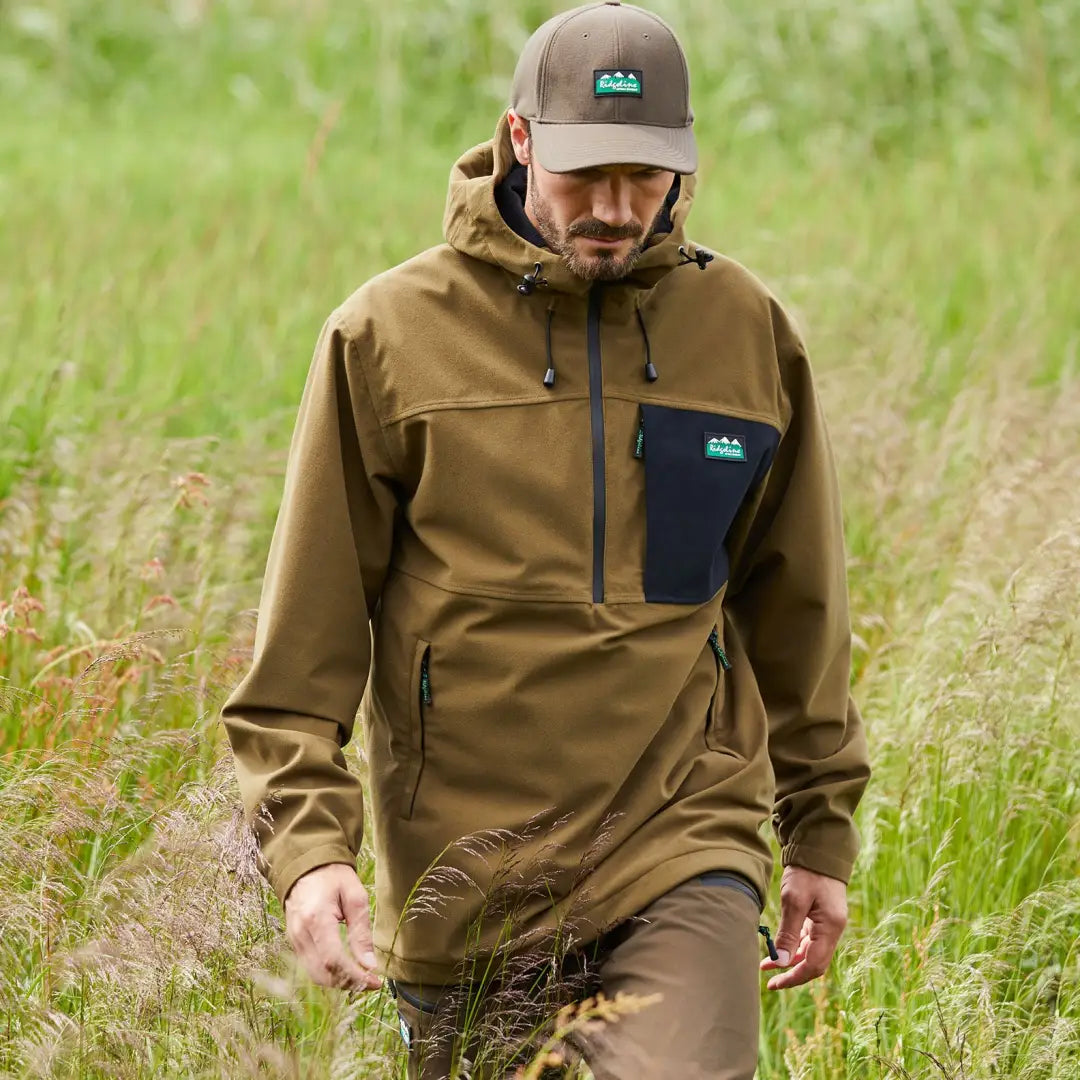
[[604, 266]]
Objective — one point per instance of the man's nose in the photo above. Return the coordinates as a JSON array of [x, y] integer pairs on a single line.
[[611, 202]]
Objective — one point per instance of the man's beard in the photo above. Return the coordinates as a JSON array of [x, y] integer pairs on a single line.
[[604, 266]]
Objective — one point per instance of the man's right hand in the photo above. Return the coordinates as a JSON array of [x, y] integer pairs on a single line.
[[316, 904]]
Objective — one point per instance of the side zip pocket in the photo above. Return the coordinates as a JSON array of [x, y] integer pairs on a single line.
[[713, 739], [420, 698], [714, 641]]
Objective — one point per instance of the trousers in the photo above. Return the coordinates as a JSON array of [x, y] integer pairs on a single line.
[[696, 947]]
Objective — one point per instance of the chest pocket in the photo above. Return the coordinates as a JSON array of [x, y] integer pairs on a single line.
[[699, 467]]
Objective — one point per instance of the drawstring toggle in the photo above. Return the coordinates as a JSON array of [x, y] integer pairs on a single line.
[[532, 281], [701, 257]]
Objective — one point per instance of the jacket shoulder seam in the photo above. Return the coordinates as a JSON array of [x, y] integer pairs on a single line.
[[494, 594], [477, 403], [379, 423]]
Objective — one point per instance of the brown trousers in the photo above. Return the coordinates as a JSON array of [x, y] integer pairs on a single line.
[[696, 945]]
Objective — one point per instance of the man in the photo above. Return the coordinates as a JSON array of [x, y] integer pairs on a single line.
[[574, 470]]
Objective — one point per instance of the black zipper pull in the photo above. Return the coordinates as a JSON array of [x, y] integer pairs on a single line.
[[639, 446], [425, 678], [714, 641], [764, 932]]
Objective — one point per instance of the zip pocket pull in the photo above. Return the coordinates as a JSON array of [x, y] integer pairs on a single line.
[[764, 932], [425, 678], [639, 445], [714, 641]]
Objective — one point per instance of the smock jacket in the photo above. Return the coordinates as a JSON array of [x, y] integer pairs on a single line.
[[597, 532]]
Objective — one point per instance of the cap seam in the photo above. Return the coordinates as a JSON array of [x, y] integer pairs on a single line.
[[682, 61], [542, 105], [618, 65]]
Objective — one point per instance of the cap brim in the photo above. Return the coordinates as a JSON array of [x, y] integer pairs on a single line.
[[565, 147]]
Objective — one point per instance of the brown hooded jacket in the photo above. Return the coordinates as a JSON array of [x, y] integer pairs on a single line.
[[609, 631]]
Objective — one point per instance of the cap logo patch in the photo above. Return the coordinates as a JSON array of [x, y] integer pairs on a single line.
[[627, 82], [724, 447]]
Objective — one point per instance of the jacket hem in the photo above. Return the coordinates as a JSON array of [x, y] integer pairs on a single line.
[[629, 900]]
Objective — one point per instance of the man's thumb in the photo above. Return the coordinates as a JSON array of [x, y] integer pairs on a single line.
[[793, 912], [355, 907]]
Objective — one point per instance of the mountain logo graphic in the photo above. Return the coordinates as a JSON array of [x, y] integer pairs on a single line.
[[725, 447], [627, 83]]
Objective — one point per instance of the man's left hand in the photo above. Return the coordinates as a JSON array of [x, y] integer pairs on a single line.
[[813, 914]]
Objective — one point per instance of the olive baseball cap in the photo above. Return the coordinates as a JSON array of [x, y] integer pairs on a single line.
[[606, 84]]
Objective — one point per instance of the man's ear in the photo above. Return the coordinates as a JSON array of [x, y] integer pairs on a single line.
[[519, 136]]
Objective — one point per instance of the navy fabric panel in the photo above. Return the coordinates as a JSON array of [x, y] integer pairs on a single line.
[[691, 500]]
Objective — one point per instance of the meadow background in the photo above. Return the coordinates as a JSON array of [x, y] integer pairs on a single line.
[[188, 188]]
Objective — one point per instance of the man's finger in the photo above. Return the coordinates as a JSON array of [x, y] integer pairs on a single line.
[[817, 955], [355, 910], [332, 962], [794, 907]]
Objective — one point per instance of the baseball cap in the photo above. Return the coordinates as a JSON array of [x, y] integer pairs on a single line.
[[606, 84]]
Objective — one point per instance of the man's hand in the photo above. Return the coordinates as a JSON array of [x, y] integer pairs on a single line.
[[316, 904], [813, 914]]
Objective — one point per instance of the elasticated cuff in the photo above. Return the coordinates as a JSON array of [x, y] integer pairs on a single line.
[[832, 863], [282, 880]]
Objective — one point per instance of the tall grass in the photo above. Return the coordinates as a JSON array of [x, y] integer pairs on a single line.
[[188, 187]]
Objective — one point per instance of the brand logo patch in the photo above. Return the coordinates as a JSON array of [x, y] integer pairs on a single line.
[[406, 1031], [627, 83], [725, 447]]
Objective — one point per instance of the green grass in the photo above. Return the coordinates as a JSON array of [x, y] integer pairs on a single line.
[[187, 189]]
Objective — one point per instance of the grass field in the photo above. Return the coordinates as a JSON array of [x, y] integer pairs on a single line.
[[188, 188]]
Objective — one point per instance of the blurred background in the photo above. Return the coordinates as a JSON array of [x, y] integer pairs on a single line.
[[187, 189]]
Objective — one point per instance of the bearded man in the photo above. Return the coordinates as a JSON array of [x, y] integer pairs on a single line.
[[561, 520]]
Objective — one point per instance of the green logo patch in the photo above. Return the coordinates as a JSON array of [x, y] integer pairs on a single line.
[[724, 447], [627, 83]]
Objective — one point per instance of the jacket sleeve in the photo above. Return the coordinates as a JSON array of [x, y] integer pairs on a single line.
[[788, 601], [292, 713]]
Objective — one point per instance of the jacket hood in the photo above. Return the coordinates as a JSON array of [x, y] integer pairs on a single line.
[[473, 224]]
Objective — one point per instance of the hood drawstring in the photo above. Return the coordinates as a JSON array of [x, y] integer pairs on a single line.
[[701, 257], [650, 369], [549, 378], [532, 281]]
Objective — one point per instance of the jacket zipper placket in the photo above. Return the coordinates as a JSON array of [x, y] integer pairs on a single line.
[[596, 414]]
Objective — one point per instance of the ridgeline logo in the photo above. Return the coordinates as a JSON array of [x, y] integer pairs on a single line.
[[627, 83], [724, 447]]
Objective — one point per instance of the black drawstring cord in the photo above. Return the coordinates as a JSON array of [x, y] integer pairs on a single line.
[[701, 257], [650, 370], [532, 281], [549, 378]]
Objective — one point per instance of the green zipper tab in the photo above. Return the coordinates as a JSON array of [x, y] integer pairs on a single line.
[[639, 446], [714, 641], [425, 678]]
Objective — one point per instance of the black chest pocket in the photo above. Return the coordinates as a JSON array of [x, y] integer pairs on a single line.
[[699, 467]]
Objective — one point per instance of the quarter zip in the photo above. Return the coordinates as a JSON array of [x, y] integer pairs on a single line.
[[596, 413]]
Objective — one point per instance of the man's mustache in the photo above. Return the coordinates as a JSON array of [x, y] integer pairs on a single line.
[[598, 230]]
